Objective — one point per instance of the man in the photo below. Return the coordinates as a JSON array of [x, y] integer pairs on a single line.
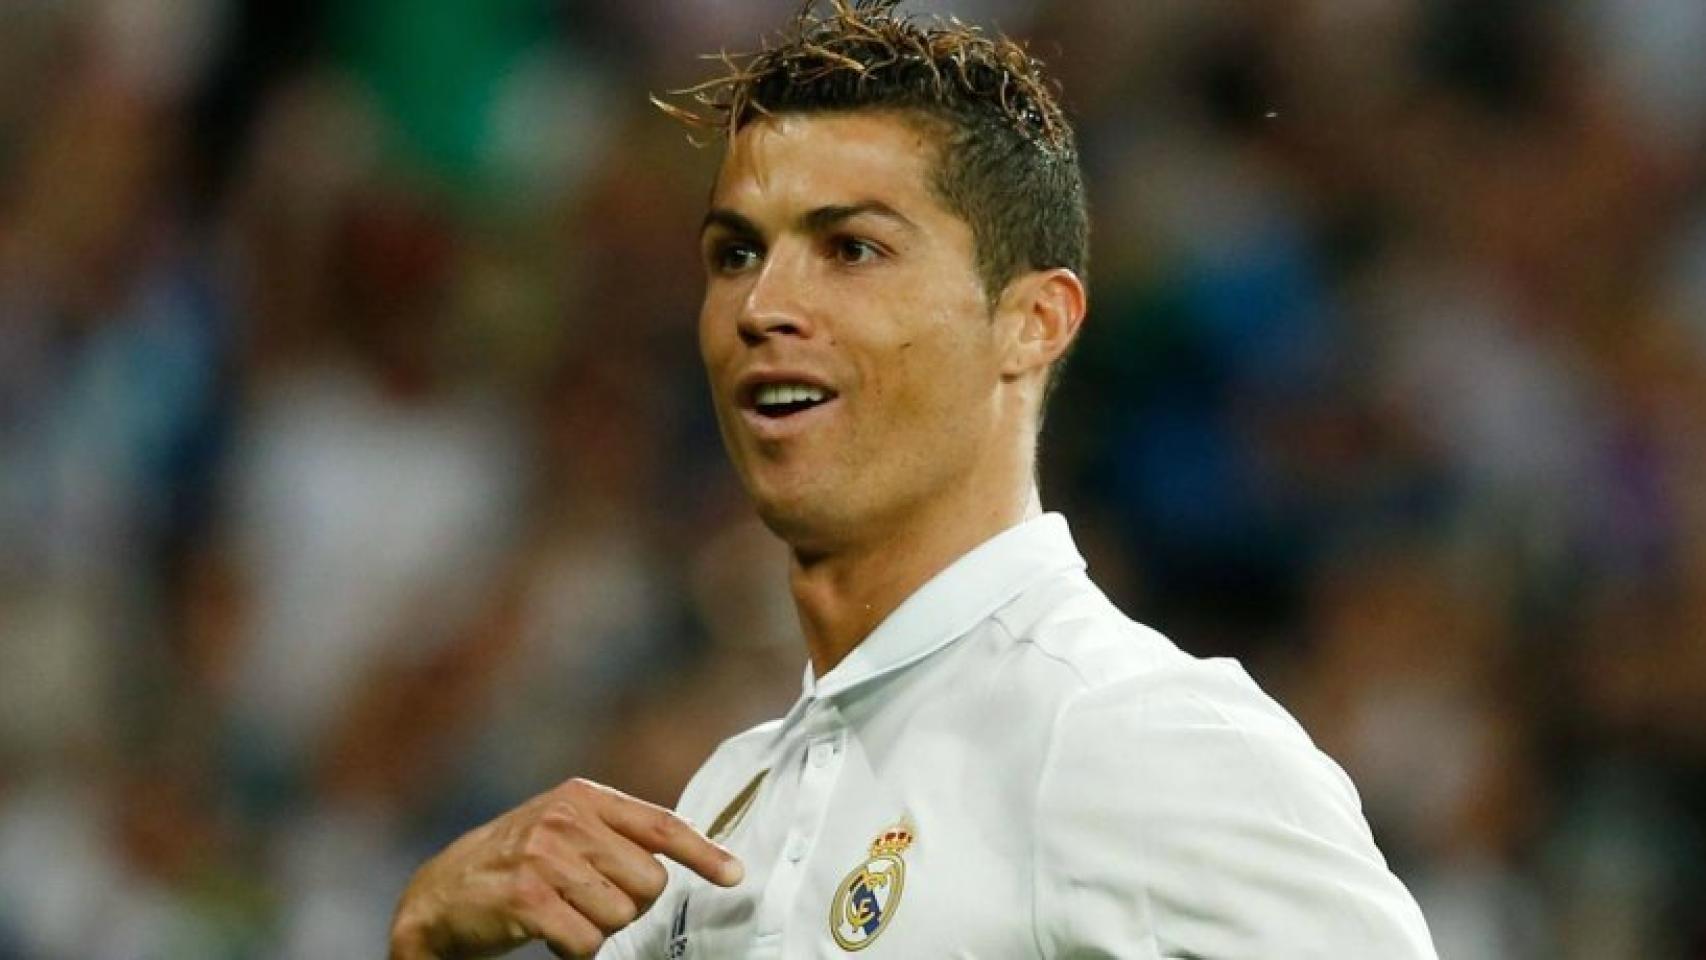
[[988, 760]]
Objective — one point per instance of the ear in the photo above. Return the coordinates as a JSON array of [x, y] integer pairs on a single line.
[[1040, 313]]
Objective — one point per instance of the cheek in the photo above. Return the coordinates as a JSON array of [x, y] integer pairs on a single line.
[[957, 348], [932, 377]]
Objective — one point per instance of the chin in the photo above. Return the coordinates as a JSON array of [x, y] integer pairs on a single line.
[[791, 520], [800, 519]]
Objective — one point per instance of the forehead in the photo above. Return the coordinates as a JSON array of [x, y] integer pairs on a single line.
[[805, 161]]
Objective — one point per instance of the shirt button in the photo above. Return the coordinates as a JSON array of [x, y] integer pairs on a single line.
[[820, 754]]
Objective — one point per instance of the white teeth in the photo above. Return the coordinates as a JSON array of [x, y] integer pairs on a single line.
[[774, 394]]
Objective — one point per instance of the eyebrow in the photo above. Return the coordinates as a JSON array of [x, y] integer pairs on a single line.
[[730, 221], [827, 218], [816, 220]]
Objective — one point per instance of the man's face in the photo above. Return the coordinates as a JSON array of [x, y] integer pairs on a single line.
[[845, 331]]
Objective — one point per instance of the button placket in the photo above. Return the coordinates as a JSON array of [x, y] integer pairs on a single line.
[[816, 768], [795, 849]]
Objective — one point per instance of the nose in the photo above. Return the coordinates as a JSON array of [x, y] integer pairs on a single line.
[[778, 303]]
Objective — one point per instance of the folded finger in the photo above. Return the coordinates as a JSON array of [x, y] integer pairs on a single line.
[[568, 934], [595, 896], [628, 865], [659, 831]]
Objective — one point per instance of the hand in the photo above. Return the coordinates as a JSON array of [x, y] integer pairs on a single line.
[[569, 867]]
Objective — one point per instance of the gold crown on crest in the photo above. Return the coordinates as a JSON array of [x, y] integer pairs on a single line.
[[893, 841]]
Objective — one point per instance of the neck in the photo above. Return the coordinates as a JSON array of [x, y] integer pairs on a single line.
[[842, 595]]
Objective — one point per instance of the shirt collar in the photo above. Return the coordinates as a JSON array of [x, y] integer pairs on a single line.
[[954, 601]]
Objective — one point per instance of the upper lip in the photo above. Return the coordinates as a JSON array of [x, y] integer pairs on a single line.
[[746, 387]]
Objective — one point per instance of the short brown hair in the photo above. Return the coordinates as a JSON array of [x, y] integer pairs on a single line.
[[1008, 162]]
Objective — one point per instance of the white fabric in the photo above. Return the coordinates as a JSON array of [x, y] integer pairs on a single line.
[[1075, 786]]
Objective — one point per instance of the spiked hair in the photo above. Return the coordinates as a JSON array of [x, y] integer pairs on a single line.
[[1007, 162]]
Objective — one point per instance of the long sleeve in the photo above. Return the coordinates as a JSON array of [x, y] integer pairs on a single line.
[[1184, 814]]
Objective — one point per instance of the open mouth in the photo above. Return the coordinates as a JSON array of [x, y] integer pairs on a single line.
[[781, 400]]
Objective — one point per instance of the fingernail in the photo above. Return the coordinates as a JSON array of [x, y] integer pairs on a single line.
[[733, 872]]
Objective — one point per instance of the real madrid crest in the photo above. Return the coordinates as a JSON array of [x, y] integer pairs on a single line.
[[869, 896]]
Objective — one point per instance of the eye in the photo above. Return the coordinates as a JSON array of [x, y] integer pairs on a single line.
[[732, 256], [852, 250]]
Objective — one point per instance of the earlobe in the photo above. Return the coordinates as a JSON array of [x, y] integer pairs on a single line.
[[1048, 308]]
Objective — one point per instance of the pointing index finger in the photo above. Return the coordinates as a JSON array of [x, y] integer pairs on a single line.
[[661, 831]]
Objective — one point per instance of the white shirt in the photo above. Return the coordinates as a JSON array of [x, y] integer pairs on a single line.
[[1009, 767]]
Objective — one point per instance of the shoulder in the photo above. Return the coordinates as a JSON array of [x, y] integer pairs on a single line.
[[1202, 735], [1181, 806], [1128, 704], [1107, 668], [1078, 637], [1124, 705]]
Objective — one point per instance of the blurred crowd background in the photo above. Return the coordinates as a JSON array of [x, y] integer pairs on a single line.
[[357, 478]]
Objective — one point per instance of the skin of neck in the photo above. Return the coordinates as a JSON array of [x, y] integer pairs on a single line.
[[843, 594]]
